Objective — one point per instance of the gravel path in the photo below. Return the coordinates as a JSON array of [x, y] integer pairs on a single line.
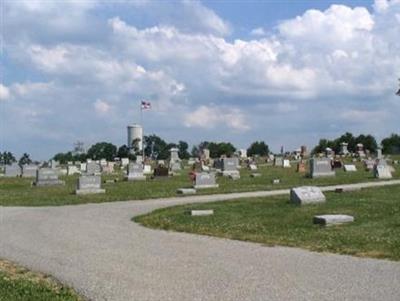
[[98, 250]]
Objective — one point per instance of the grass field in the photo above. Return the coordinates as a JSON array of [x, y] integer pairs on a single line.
[[19, 192], [275, 221], [19, 284]]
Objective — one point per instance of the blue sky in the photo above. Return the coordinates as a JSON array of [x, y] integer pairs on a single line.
[[286, 72]]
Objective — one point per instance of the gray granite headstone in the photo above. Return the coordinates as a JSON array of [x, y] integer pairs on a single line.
[[135, 172], [29, 171], [175, 166], [13, 170], [306, 195], [382, 172], [47, 177], [204, 180], [93, 168], [278, 161], [229, 167], [321, 167], [89, 184], [72, 170], [349, 167]]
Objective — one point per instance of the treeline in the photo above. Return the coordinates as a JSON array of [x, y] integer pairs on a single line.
[[390, 145], [159, 149]]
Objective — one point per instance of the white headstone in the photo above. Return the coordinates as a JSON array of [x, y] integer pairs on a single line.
[[350, 167], [286, 163], [332, 219], [306, 195]]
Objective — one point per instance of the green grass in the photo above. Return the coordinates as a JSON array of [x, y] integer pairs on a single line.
[[19, 284], [275, 221], [19, 192]]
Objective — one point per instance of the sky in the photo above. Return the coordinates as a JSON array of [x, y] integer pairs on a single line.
[[285, 72]]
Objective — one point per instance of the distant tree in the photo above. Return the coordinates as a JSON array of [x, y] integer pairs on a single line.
[[258, 148], [183, 150], [226, 148], [391, 145], [7, 158], [102, 150], [25, 159], [63, 158], [195, 152], [123, 151], [368, 141]]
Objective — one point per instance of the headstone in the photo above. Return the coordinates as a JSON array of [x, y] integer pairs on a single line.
[[286, 163], [191, 161], [321, 167], [306, 195], [54, 164], [278, 161], [72, 170], [29, 171], [343, 148], [103, 162], [205, 168], [108, 169], [161, 162], [235, 176], [13, 170], [139, 159], [382, 172], [161, 171], [93, 168], [186, 191], [350, 167], [301, 167], [379, 153], [243, 153], [360, 150], [135, 172], [174, 155], [369, 164], [147, 169], [201, 212], [276, 181], [124, 161], [205, 180], [89, 184], [47, 177], [175, 166], [83, 167], [332, 219], [229, 167], [255, 175], [252, 167], [205, 154]]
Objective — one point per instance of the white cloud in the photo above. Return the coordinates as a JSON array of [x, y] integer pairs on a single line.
[[209, 117], [259, 31], [4, 92], [102, 107]]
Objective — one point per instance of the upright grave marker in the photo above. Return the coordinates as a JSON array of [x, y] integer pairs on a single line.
[[47, 177], [321, 167], [205, 180], [29, 170], [13, 170], [135, 172], [89, 184]]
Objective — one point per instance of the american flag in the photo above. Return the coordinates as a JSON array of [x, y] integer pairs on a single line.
[[145, 105]]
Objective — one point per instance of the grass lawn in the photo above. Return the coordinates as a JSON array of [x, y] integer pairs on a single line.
[[275, 221], [19, 192], [19, 284]]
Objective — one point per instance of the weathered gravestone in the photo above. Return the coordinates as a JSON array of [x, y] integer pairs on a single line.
[[332, 219], [147, 169], [13, 170], [29, 171], [161, 172], [321, 167], [382, 172], [286, 163], [47, 177], [135, 172], [306, 195], [229, 167], [124, 161], [204, 180], [83, 166], [175, 166], [201, 212], [301, 167], [72, 170], [278, 161], [252, 167], [350, 167], [89, 184], [369, 164], [93, 168]]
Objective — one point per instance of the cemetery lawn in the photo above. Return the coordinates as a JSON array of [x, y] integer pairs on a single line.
[[19, 192], [18, 283], [275, 221]]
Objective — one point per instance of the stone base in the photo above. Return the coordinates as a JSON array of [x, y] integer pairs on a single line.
[[205, 186], [135, 178], [89, 191], [49, 183], [325, 174], [332, 219], [186, 191], [201, 212]]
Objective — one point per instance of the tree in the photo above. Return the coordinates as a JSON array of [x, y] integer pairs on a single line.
[[7, 158], [156, 147], [218, 149], [183, 150], [258, 148], [102, 150], [25, 159], [391, 145]]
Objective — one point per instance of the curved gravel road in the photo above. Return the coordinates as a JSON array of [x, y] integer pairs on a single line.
[[98, 250]]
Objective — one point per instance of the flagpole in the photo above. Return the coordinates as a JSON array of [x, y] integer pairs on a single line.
[[141, 123]]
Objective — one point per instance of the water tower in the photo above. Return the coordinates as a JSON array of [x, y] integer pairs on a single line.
[[135, 133]]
